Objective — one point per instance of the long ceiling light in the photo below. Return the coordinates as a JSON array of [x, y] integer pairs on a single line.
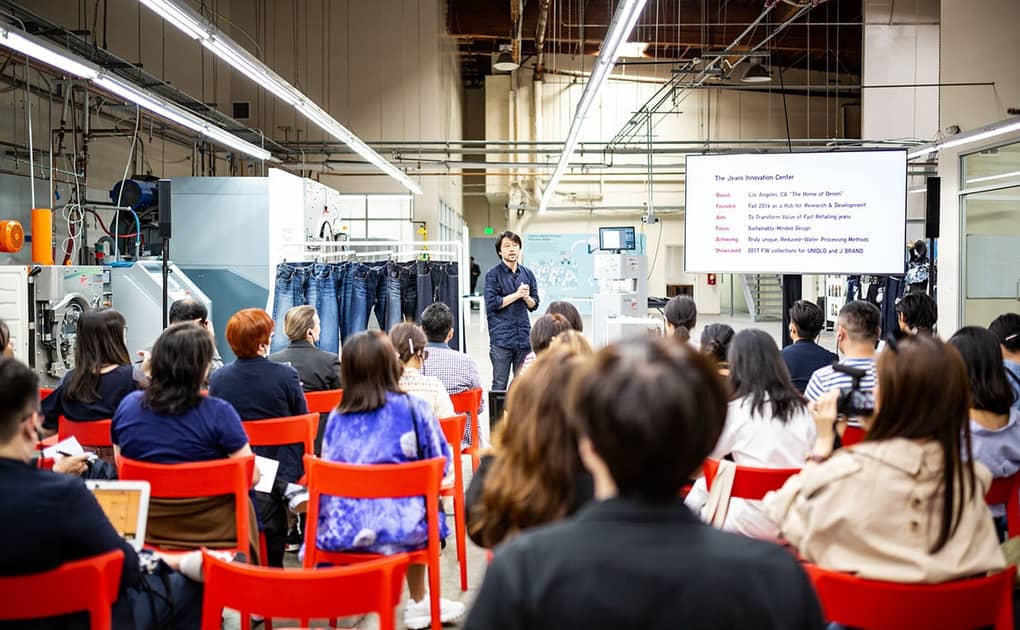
[[982, 133], [626, 16], [197, 27], [51, 55]]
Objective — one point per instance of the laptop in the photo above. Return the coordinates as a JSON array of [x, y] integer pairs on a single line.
[[126, 504]]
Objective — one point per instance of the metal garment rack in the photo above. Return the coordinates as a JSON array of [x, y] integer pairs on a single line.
[[337, 251]]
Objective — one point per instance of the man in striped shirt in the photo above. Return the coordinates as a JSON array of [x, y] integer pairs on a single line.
[[857, 332], [457, 371]]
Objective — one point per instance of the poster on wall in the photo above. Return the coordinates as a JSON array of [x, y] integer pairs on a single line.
[[562, 264]]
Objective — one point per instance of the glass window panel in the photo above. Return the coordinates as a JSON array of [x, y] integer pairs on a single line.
[[999, 166], [387, 207], [388, 230]]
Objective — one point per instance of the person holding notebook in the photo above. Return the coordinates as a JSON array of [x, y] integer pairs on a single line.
[[54, 519]]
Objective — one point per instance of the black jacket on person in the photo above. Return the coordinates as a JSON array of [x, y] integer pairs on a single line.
[[802, 358], [319, 370], [624, 563]]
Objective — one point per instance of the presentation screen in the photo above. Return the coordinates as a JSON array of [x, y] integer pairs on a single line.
[[617, 238], [816, 213]]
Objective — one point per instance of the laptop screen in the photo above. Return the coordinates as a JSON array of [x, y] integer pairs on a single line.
[[126, 504]]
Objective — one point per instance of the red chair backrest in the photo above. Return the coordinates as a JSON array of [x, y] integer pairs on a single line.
[[749, 482], [853, 435], [369, 481], [87, 432], [277, 431], [875, 605], [468, 402], [1006, 491], [90, 584], [44, 392], [453, 430], [213, 478], [304, 594], [324, 401]]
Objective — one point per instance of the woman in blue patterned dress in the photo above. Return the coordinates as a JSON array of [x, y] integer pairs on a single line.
[[377, 423]]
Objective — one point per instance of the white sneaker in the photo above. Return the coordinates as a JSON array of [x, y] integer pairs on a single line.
[[417, 614]]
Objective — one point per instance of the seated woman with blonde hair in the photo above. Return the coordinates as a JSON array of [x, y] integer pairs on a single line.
[[908, 503], [534, 476]]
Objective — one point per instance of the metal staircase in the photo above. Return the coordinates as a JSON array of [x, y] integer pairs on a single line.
[[764, 295]]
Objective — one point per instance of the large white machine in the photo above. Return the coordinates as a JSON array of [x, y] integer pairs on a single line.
[[621, 300]]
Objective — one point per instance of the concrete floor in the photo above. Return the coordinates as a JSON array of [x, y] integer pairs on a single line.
[[478, 347]]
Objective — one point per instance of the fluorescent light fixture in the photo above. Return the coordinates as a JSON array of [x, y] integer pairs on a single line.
[[43, 51], [626, 16], [989, 178], [633, 50], [196, 26], [977, 135]]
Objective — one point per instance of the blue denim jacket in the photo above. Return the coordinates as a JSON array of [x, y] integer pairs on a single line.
[[509, 327]]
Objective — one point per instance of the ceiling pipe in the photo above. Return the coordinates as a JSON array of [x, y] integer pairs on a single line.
[[543, 20], [516, 24]]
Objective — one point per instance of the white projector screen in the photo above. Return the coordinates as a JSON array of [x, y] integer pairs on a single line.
[[815, 213]]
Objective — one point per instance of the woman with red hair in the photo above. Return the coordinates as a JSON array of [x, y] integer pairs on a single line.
[[259, 389]]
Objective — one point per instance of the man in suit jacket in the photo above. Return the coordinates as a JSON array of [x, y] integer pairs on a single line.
[[318, 369], [648, 411]]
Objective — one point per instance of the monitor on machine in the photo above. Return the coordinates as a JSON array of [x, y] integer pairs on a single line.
[[617, 239]]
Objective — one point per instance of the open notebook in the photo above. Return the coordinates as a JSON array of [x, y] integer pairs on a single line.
[[126, 504]]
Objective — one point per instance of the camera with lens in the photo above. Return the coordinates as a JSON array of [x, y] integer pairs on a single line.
[[854, 401]]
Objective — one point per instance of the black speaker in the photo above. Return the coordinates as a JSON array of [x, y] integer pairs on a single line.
[[931, 214], [165, 227]]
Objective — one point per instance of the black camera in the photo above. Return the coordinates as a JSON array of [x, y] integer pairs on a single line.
[[854, 401]]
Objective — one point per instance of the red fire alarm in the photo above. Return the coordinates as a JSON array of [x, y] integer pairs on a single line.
[[710, 278]]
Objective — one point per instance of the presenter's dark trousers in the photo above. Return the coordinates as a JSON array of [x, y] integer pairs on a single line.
[[503, 359]]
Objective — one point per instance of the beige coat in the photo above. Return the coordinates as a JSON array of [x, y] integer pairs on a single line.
[[875, 509]]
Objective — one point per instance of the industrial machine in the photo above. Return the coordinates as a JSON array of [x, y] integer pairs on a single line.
[[139, 291], [621, 298]]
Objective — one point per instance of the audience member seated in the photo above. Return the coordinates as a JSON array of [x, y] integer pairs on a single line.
[[648, 411], [543, 331], [994, 423], [188, 310], [917, 313], [804, 355], [102, 376], [318, 370], [857, 331], [906, 504], [410, 343], [681, 316], [377, 423], [257, 389], [715, 342], [568, 310], [50, 519], [6, 342], [1006, 328], [573, 341], [171, 422], [767, 426], [457, 371], [534, 475]]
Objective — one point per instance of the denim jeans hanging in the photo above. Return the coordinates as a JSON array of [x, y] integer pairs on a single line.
[[290, 291], [322, 294], [360, 286]]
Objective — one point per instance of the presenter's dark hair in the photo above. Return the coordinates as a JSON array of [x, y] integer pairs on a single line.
[[682, 313], [1006, 328], [758, 373], [436, 321], [919, 310], [989, 385], [568, 310], [369, 369], [653, 410], [808, 318], [19, 386], [861, 320], [179, 364], [187, 310], [510, 235]]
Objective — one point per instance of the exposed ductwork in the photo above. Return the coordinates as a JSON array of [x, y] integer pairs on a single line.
[[543, 20]]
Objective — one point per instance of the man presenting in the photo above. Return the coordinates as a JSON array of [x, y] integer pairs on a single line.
[[510, 292]]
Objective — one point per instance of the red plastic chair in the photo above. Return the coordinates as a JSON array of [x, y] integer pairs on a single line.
[[377, 481], [853, 434], [875, 605], [468, 402], [279, 431], [453, 429], [1006, 491], [95, 433], [303, 594], [90, 584], [749, 482], [213, 478], [44, 392], [324, 401]]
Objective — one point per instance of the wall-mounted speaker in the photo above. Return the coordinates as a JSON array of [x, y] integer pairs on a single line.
[[933, 203], [165, 227]]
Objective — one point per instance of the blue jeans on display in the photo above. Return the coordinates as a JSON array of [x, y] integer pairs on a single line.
[[408, 277], [290, 291], [503, 359], [381, 306], [358, 297], [322, 294], [391, 294]]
